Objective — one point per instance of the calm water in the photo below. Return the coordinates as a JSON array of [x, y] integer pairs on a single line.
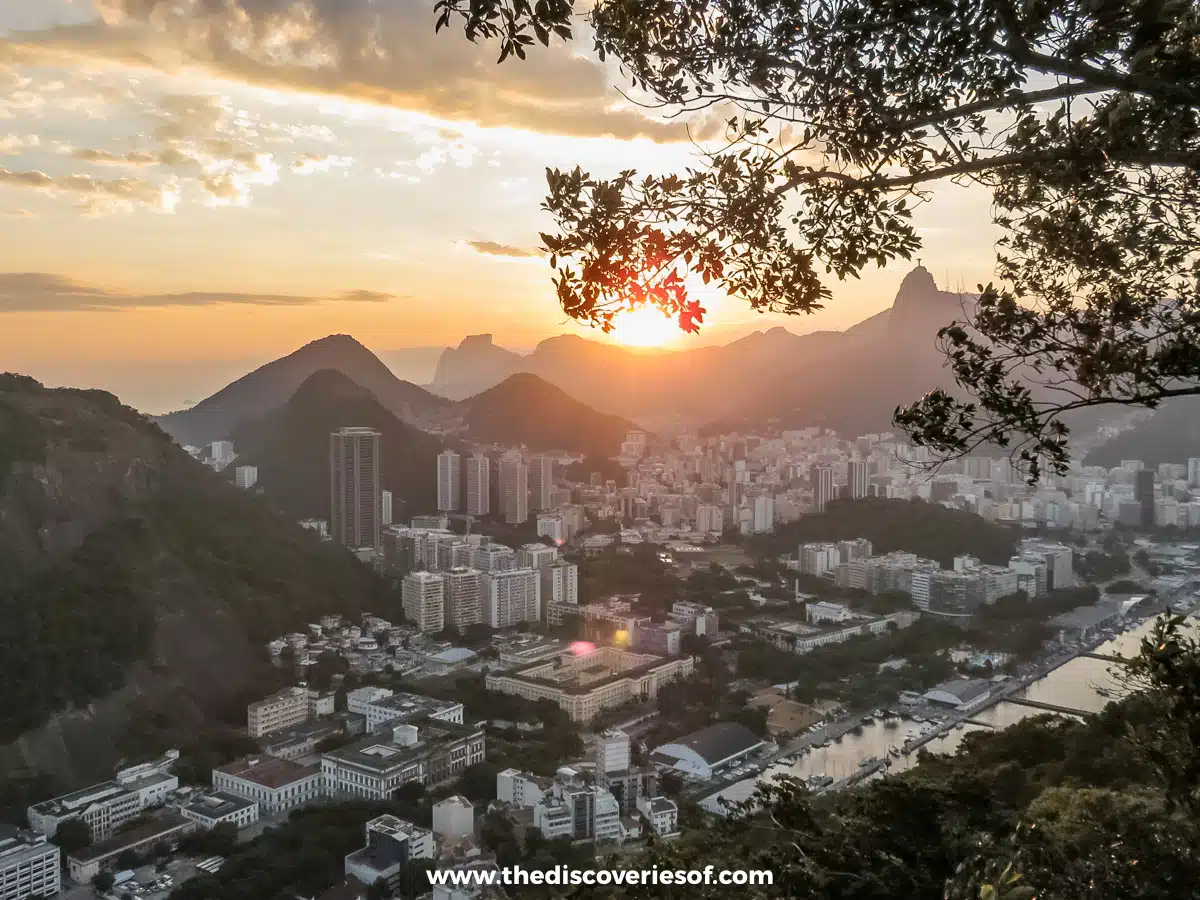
[[1072, 685]]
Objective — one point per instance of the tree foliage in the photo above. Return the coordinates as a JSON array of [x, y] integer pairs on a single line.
[[1078, 116]]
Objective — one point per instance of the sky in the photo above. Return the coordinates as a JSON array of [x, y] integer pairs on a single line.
[[189, 189]]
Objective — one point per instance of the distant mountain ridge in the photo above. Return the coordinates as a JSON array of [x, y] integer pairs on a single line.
[[269, 387], [766, 375]]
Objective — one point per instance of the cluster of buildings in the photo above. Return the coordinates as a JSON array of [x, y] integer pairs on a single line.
[[454, 580], [1039, 566], [618, 801], [828, 623]]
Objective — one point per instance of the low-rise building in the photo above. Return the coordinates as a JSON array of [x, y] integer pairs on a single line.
[[220, 808], [428, 752], [391, 845], [166, 828], [397, 709], [103, 807], [661, 814], [29, 865], [276, 785], [584, 685], [697, 618], [710, 750], [282, 709], [521, 789]]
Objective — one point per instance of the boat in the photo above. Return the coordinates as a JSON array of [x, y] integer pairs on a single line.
[[879, 714], [918, 719], [1104, 692], [960, 726], [891, 722], [893, 750]]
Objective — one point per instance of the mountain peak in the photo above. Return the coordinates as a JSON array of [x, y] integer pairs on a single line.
[[476, 342], [916, 286], [333, 341]]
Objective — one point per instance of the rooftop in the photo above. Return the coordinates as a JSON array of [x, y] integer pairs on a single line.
[[268, 771], [964, 689], [218, 804], [410, 706], [717, 743], [160, 825], [70, 804], [1089, 616], [381, 753], [16, 842]]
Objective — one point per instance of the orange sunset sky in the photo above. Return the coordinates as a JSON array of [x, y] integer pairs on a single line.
[[185, 193]]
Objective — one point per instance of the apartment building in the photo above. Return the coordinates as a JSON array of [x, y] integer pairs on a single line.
[[29, 865], [511, 597], [281, 710], [103, 807], [428, 752], [424, 598]]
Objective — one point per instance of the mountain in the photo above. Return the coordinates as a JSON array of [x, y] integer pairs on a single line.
[[270, 386], [475, 365], [766, 375], [852, 381], [1171, 434], [290, 446], [134, 580], [526, 409]]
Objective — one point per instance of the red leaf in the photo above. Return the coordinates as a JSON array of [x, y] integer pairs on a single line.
[[690, 317]]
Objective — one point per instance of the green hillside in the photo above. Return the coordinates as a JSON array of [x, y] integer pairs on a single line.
[[291, 448], [123, 557], [929, 530]]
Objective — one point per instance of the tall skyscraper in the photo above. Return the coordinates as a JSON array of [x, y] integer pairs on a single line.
[[1193, 471], [354, 498], [822, 487], [449, 484], [1143, 492], [856, 479], [385, 507], [479, 485], [514, 489], [541, 482], [535, 556], [423, 596]]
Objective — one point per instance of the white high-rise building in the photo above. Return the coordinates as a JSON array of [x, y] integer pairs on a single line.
[[560, 583], [856, 480], [221, 452], [535, 556], [514, 489], [245, 477], [385, 508], [612, 752], [464, 597], [449, 487], [541, 482], [423, 595], [511, 597], [479, 485], [354, 487], [1193, 471]]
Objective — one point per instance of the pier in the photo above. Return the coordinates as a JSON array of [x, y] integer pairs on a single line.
[[1089, 654], [1047, 707]]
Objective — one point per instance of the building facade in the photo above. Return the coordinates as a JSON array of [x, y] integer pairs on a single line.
[[354, 513], [479, 485], [29, 865], [424, 599], [281, 710], [514, 489], [512, 597], [449, 484]]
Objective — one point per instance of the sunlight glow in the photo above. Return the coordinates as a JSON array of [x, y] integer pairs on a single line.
[[645, 326]]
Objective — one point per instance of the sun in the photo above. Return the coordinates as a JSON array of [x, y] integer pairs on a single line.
[[646, 326]]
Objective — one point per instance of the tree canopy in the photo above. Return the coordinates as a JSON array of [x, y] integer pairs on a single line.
[[838, 118]]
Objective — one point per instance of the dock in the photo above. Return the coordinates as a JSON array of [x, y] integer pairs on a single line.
[[1047, 707]]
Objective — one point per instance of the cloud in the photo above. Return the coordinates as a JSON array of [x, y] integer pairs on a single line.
[[41, 292], [491, 248], [311, 163], [96, 195], [15, 144], [377, 51]]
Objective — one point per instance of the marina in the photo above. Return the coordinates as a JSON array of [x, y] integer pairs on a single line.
[[846, 753]]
